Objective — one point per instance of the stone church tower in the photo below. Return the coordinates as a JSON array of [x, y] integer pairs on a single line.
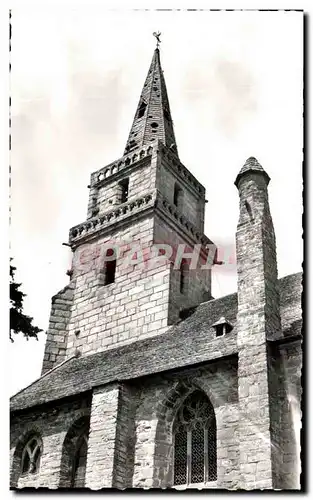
[[147, 381], [143, 199]]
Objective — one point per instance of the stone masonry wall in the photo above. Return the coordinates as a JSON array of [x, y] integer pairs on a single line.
[[52, 424], [198, 280], [130, 431], [143, 300], [104, 191], [158, 402], [110, 460], [102, 437], [125, 437], [57, 334], [193, 203], [290, 362], [258, 319], [141, 180], [134, 306]]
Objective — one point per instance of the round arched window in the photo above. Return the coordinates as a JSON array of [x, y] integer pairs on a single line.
[[31, 455]]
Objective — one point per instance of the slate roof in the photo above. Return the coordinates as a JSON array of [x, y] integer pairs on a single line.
[[187, 343], [251, 165]]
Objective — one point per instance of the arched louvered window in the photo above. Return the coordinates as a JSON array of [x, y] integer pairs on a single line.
[[195, 441], [31, 455], [80, 460]]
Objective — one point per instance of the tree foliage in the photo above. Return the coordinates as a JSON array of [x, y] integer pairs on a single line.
[[19, 322]]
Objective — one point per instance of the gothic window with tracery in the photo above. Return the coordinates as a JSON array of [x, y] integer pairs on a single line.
[[31, 455], [195, 441]]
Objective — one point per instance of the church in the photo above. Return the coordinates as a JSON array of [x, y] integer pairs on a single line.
[[148, 381]]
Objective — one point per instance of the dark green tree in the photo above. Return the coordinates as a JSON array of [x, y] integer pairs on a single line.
[[19, 322]]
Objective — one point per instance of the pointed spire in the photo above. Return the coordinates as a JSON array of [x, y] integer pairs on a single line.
[[251, 165], [153, 119]]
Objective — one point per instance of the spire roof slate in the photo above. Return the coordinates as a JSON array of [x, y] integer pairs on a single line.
[[251, 165], [153, 116]]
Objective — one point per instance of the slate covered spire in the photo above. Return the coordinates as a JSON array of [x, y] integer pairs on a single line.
[[153, 117], [251, 165]]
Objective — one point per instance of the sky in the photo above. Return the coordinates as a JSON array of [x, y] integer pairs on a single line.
[[235, 85]]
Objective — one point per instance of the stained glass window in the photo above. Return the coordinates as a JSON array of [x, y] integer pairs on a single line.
[[195, 441]]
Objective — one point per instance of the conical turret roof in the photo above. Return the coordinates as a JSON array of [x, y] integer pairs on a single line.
[[251, 165]]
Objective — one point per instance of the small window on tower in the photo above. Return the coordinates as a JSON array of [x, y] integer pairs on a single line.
[[183, 283], [142, 109], [110, 268], [178, 197], [124, 190]]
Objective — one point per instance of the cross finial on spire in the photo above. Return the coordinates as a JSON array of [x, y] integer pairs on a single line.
[[157, 36]]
